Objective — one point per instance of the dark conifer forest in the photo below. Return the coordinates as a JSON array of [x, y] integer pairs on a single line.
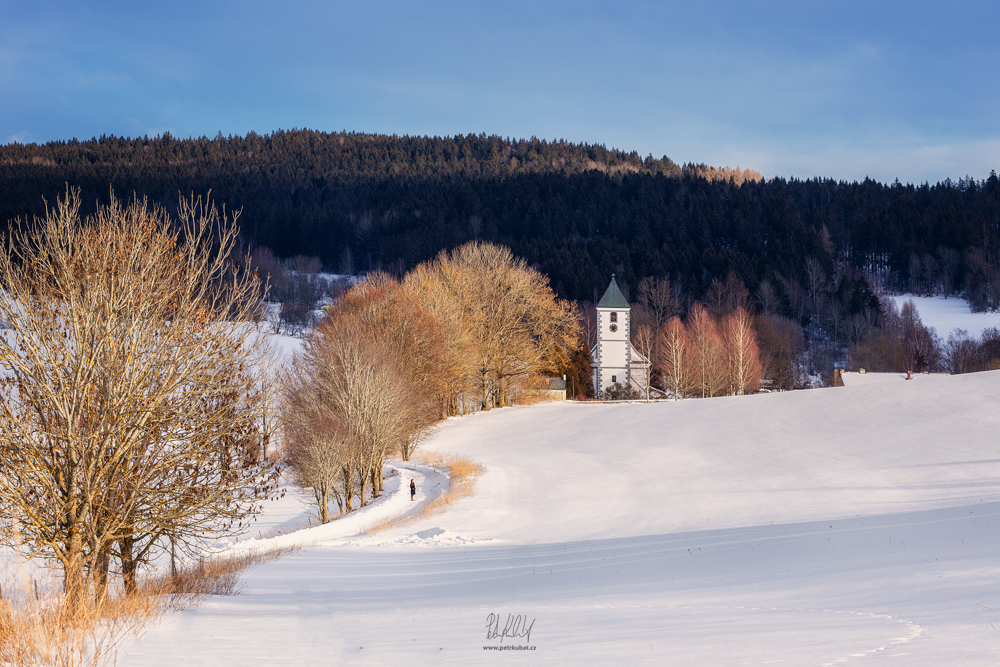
[[577, 212]]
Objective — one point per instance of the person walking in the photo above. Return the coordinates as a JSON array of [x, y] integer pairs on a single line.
[[413, 489]]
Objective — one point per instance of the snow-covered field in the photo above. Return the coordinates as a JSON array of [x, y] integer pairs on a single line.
[[946, 315], [843, 525]]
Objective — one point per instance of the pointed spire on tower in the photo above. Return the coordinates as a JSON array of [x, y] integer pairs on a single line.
[[613, 297]]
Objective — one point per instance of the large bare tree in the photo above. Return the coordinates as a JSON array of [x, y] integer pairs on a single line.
[[514, 326], [317, 445], [128, 412], [364, 387], [393, 314]]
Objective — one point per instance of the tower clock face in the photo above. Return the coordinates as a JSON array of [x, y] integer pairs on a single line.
[[614, 328]]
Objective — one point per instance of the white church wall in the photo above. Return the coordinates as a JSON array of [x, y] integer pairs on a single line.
[[613, 348]]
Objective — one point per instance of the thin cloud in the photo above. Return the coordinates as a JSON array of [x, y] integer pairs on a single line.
[[23, 137]]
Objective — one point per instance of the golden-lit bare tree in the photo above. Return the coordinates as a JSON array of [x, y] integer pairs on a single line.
[[317, 445], [742, 352], [365, 387], [128, 412], [675, 356], [435, 283], [512, 320], [708, 353], [392, 312]]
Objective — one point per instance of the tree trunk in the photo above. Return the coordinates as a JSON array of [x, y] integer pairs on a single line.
[[321, 497], [130, 565], [102, 566], [73, 581], [173, 558], [348, 487]]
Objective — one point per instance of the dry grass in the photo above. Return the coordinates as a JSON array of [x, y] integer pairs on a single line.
[[39, 627], [536, 397], [463, 473], [215, 576]]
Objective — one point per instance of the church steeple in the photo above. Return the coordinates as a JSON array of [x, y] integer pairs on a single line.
[[613, 352], [613, 297]]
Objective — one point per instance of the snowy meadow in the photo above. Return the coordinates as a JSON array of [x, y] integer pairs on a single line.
[[832, 526]]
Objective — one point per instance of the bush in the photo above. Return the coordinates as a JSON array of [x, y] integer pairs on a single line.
[[618, 392]]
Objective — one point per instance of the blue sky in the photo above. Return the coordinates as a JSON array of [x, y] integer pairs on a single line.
[[847, 89]]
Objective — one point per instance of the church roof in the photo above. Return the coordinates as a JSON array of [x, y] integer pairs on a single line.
[[613, 297]]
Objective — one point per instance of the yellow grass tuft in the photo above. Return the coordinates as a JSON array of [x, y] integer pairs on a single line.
[[39, 627], [463, 473]]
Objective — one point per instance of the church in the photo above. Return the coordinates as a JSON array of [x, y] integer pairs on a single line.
[[616, 361]]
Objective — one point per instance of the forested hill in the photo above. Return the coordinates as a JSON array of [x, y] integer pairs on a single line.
[[578, 212]]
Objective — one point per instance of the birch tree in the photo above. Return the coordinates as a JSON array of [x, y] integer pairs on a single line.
[[645, 342], [742, 352], [709, 363], [675, 355]]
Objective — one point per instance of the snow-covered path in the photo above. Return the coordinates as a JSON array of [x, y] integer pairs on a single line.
[[820, 527], [296, 509]]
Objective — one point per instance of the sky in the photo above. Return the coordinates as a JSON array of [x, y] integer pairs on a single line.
[[847, 90]]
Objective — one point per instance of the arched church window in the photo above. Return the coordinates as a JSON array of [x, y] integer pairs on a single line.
[[614, 317]]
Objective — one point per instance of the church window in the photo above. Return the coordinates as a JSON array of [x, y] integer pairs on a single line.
[[614, 378], [614, 317]]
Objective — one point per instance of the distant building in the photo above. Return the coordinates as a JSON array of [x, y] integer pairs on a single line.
[[556, 390], [615, 360]]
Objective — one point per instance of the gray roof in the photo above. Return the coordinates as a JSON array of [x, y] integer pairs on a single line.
[[613, 297]]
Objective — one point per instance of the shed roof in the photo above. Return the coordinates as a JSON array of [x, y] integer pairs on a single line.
[[613, 297]]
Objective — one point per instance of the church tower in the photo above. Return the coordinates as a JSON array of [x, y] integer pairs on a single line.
[[613, 352]]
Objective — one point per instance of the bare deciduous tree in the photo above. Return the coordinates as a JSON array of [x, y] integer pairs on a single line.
[[767, 297], [514, 326], [816, 277], [741, 348], [674, 358], [708, 353], [724, 297], [644, 342], [657, 296], [365, 387], [317, 445], [128, 410], [392, 312]]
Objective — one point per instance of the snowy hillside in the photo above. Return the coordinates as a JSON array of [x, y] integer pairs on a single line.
[[808, 528], [946, 315]]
